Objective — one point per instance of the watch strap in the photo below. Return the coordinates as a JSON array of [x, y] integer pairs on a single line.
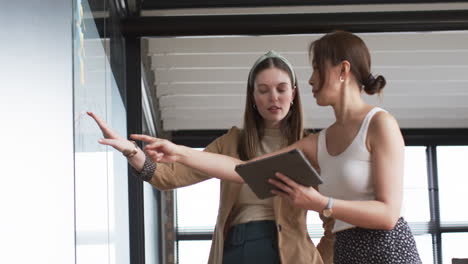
[[330, 203]]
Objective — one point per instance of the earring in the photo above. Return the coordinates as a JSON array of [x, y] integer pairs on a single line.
[[292, 102], [341, 79], [254, 106]]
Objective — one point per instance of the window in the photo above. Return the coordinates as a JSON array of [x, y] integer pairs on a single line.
[[193, 251], [454, 246], [415, 194], [453, 181], [416, 209]]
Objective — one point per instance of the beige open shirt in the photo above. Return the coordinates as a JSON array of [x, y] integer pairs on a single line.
[[295, 245]]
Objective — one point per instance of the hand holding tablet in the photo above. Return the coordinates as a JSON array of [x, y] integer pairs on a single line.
[[292, 164]]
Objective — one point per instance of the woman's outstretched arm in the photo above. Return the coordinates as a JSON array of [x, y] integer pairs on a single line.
[[215, 165]]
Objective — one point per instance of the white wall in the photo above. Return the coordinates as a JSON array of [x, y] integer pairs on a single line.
[[36, 135]]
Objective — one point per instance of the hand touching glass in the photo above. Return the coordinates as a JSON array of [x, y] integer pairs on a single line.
[[111, 138]]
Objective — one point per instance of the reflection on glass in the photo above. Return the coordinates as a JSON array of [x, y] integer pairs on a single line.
[[453, 180], [454, 245], [101, 191], [415, 188], [193, 252]]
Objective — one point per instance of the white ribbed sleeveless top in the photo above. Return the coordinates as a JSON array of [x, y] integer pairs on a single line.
[[347, 176]]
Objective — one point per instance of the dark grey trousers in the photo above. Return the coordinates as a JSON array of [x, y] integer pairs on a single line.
[[252, 242]]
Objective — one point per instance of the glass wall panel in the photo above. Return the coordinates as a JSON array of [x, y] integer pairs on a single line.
[[101, 191]]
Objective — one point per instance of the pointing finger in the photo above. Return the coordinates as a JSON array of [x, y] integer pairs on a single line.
[[145, 138], [154, 145]]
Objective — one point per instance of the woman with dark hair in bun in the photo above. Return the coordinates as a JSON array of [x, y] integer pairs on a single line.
[[360, 158]]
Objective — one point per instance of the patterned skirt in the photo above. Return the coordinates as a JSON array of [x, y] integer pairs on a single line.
[[361, 245]]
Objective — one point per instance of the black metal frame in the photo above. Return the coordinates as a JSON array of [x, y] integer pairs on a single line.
[[295, 23], [440, 137], [125, 62], [173, 4], [434, 205], [134, 126], [193, 235]]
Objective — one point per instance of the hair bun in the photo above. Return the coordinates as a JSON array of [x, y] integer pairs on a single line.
[[370, 79], [373, 85]]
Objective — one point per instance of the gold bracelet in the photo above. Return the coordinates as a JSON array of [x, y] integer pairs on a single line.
[[130, 153]]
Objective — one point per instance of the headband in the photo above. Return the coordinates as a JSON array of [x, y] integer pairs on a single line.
[[272, 54]]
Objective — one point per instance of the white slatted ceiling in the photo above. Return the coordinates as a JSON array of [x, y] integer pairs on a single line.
[[200, 82]]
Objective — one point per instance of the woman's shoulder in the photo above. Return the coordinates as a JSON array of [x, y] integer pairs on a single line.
[[227, 143], [383, 120], [234, 130], [383, 125], [232, 134], [309, 140], [311, 135]]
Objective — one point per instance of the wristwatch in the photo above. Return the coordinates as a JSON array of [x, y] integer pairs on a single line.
[[131, 152], [327, 212]]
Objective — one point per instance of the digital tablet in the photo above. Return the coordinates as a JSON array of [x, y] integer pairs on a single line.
[[292, 164]]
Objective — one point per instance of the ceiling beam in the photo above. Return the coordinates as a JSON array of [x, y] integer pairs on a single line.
[[172, 4], [295, 23]]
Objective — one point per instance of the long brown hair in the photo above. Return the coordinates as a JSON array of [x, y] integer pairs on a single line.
[[292, 127], [338, 46]]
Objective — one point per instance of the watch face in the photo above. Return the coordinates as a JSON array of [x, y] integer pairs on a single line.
[[327, 212]]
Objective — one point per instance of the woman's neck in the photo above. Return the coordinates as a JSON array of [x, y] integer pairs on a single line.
[[272, 124], [350, 105]]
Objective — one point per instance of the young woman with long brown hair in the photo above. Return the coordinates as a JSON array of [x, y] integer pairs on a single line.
[[248, 230]]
